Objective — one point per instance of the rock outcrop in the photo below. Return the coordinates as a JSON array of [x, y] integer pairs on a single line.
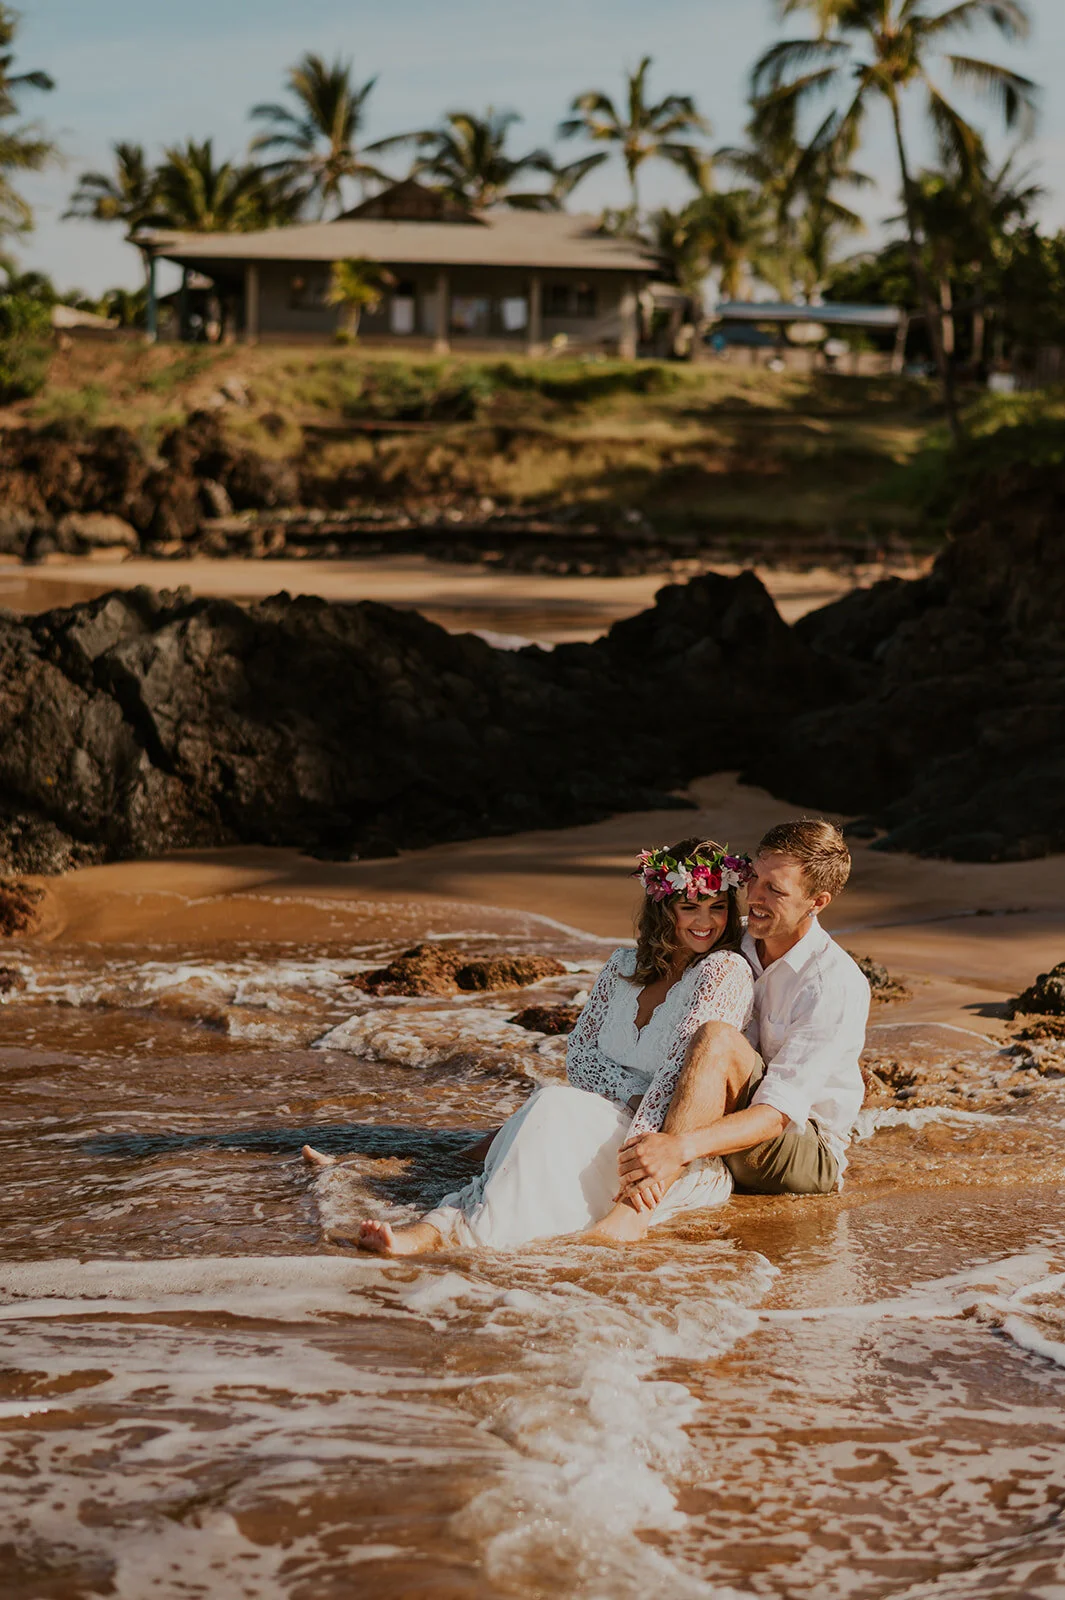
[[1045, 997], [950, 735], [430, 969], [145, 722]]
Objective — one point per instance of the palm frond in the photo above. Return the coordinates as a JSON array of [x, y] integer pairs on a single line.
[[1015, 95], [961, 148], [777, 65], [1010, 17]]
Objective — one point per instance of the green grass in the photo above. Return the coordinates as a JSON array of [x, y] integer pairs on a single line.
[[712, 451]]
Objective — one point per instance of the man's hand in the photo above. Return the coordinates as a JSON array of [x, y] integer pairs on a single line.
[[651, 1158]]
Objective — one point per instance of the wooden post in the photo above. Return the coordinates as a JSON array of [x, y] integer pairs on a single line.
[[534, 333], [898, 355], [627, 341], [251, 303], [151, 313], [183, 306], [442, 342]]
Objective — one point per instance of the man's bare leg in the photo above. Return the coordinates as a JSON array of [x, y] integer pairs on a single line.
[[718, 1065]]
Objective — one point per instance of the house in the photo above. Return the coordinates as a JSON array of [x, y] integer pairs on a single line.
[[501, 280]]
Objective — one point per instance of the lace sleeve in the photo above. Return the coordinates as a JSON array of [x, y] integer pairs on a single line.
[[587, 1067], [723, 992]]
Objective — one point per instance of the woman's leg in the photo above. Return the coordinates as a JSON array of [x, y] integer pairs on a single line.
[[717, 1066], [381, 1239]]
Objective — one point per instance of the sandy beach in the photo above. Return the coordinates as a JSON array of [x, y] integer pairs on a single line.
[[968, 936], [514, 606]]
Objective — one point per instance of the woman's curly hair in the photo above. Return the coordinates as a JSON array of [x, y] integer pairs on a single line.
[[656, 924]]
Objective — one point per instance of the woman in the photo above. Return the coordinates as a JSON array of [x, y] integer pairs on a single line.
[[552, 1168]]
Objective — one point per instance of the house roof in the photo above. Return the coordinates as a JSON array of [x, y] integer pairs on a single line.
[[505, 239]]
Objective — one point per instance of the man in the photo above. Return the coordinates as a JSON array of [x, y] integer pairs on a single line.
[[778, 1104]]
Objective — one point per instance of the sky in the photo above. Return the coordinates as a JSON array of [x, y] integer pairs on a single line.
[[157, 72]]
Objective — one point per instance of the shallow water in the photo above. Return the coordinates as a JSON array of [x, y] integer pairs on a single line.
[[201, 1395]]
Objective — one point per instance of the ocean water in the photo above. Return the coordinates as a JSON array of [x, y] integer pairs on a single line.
[[202, 1393]]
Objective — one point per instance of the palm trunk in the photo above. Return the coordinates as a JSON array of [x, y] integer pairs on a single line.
[[979, 321], [946, 306], [932, 313]]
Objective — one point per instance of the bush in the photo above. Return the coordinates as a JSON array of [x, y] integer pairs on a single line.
[[25, 345]]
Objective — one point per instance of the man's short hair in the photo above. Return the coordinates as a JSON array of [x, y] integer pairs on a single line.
[[818, 847]]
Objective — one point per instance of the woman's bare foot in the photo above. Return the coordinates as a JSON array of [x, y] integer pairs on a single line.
[[622, 1225], [315, 1157], [384, 1240]]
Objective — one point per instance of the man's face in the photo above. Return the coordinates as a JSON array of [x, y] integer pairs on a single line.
[[778, 900]]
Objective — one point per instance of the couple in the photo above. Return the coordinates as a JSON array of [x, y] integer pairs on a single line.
[[708, 1058]]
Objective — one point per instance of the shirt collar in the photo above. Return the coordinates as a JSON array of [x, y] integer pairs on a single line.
[[813, 941]]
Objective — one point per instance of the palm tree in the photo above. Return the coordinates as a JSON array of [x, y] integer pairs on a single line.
[[317, 140], [467, 157], [886, 48], [643, 131], [963, 217], [23, 148], [563, 182], [739, 241], [797, 184], [201, 196], [356, 286], [128, 194]]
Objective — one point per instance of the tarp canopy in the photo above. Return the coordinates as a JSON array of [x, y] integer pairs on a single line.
[[835, 316]]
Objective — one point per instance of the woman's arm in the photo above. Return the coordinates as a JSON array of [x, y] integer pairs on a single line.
[[723, 992], [588, 1067]]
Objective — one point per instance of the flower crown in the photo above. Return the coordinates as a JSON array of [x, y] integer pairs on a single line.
[[693, 877]]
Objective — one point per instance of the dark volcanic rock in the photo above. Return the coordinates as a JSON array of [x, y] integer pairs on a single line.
[[144, 722], [429, 969], [507, 972], [951, 735], [883, 986], [1045, 997], [547, 1019], [19, 907], [426, 969]]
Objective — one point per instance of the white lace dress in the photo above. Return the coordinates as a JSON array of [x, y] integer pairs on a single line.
[[552, 1167]]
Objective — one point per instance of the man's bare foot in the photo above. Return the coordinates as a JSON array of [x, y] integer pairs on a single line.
[[622, 1225], [315, 1158], [384, 1240]]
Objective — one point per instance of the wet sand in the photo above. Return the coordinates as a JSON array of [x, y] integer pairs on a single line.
[[461, 598], [852, 1397], [966, 936]]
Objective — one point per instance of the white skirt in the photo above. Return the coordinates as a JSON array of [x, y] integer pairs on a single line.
[[553, 1169]]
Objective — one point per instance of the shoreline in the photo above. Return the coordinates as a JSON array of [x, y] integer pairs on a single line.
[[460, 596], [966, 937]]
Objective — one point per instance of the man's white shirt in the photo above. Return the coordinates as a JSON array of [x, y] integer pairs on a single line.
[[810, 1011]]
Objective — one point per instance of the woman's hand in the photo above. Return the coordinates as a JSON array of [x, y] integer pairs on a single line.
[[643, 1196]]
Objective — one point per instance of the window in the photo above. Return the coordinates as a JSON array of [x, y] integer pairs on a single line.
[[514, 313], [401, 313], [471, 313], [569, 300], [308, 291]]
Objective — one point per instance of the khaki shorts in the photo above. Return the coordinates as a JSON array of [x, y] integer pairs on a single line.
[[793, 1163]]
